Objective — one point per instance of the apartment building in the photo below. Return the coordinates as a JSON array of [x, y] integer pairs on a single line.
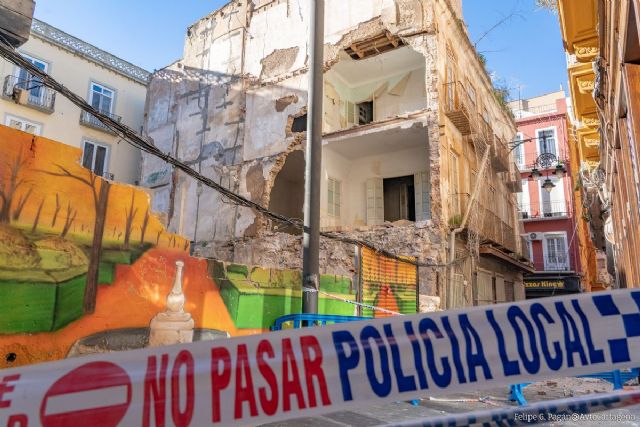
[[603, 49], [411, 125], [551, 213], [112, 85]]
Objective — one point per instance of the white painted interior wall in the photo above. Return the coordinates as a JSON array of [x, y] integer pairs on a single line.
[[353, 174]]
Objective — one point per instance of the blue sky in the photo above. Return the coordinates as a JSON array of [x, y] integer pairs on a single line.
[[526, 51]]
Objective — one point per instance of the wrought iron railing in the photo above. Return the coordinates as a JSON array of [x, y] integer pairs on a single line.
[[37, 95], [90, 120], [559, 262], [483, 220], [552, 209]]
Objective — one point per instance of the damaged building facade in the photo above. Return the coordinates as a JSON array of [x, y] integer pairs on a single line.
[[410, 118]]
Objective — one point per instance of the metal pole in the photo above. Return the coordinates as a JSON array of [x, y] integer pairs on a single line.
[[311, 237]]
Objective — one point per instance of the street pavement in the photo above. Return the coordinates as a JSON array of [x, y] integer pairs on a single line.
[[377, 415]]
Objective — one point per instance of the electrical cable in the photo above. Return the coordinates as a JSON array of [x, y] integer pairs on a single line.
[[132, 137]]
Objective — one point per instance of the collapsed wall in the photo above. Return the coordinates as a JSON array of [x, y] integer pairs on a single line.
[[234, 109]]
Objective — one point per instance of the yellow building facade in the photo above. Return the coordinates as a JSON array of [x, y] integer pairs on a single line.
[[112, 85], [601, 40]]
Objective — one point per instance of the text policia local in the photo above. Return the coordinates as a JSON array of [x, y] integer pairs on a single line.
[[401, 356]]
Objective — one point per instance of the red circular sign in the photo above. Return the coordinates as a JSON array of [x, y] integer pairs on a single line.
[[96, 394]]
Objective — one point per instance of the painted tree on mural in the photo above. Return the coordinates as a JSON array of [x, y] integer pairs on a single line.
[[143, 227], [100, 192], [56, 211], [68, 222], [20, 206], [11, 180], [130, 215], [36, 220]]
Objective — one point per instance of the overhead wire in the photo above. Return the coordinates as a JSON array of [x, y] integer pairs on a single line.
[[133, 138]]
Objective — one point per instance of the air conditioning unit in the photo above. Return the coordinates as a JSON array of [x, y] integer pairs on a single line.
[[535, 236], [20, 96]]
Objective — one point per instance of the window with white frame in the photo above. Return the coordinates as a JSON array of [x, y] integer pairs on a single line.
[[23, 124], [553, 202], [95, 157], [519, 151], [101, 98], [30, 82], [555, 252], [334, 196], [547, 141]]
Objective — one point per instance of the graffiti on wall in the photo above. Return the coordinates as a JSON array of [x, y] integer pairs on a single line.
[[389, 284]]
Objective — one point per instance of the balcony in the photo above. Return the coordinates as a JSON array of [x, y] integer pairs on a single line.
[[544, 211], [89, 120], [459, 107], [489, 226], [499, 155], [559, 262], [29, 93], [514, 179], [526, 112]]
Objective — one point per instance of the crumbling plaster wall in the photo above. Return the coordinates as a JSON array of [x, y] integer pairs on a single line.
[[226, 108]]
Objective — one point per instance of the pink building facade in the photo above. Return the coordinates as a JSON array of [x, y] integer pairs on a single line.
[[546, 205]]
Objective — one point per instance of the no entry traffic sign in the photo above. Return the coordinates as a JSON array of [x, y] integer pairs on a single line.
[[96, 394]]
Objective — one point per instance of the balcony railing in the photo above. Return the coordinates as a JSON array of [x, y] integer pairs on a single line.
[[489, 226], [88, 119], [29, 92], [534, 111], [459, 107], [545, 210], [558, 262]]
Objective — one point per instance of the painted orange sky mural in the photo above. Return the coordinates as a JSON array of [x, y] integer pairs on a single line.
[[42, 175]]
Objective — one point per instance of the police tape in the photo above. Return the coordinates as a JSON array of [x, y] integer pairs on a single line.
[[303, 372], [576, 409]]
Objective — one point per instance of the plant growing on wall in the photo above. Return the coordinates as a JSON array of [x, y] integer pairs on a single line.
[[100, 192]]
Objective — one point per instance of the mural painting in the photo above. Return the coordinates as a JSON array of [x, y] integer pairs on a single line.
[[85, 265], [389, 284]]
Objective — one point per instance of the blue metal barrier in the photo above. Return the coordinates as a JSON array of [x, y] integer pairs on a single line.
[[617, 378], [313, 320]]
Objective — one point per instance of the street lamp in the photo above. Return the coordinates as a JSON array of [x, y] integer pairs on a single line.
[[548, 185]]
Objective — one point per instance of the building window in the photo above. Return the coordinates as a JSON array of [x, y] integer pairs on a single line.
[[101, 98], [334, 197], [30, 82], [519, 151], [399, 198], [547, 141], [556, 255], [95, 157], [23, 125], [471, 92], [453, 180], [365, 112], [553, 203]]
